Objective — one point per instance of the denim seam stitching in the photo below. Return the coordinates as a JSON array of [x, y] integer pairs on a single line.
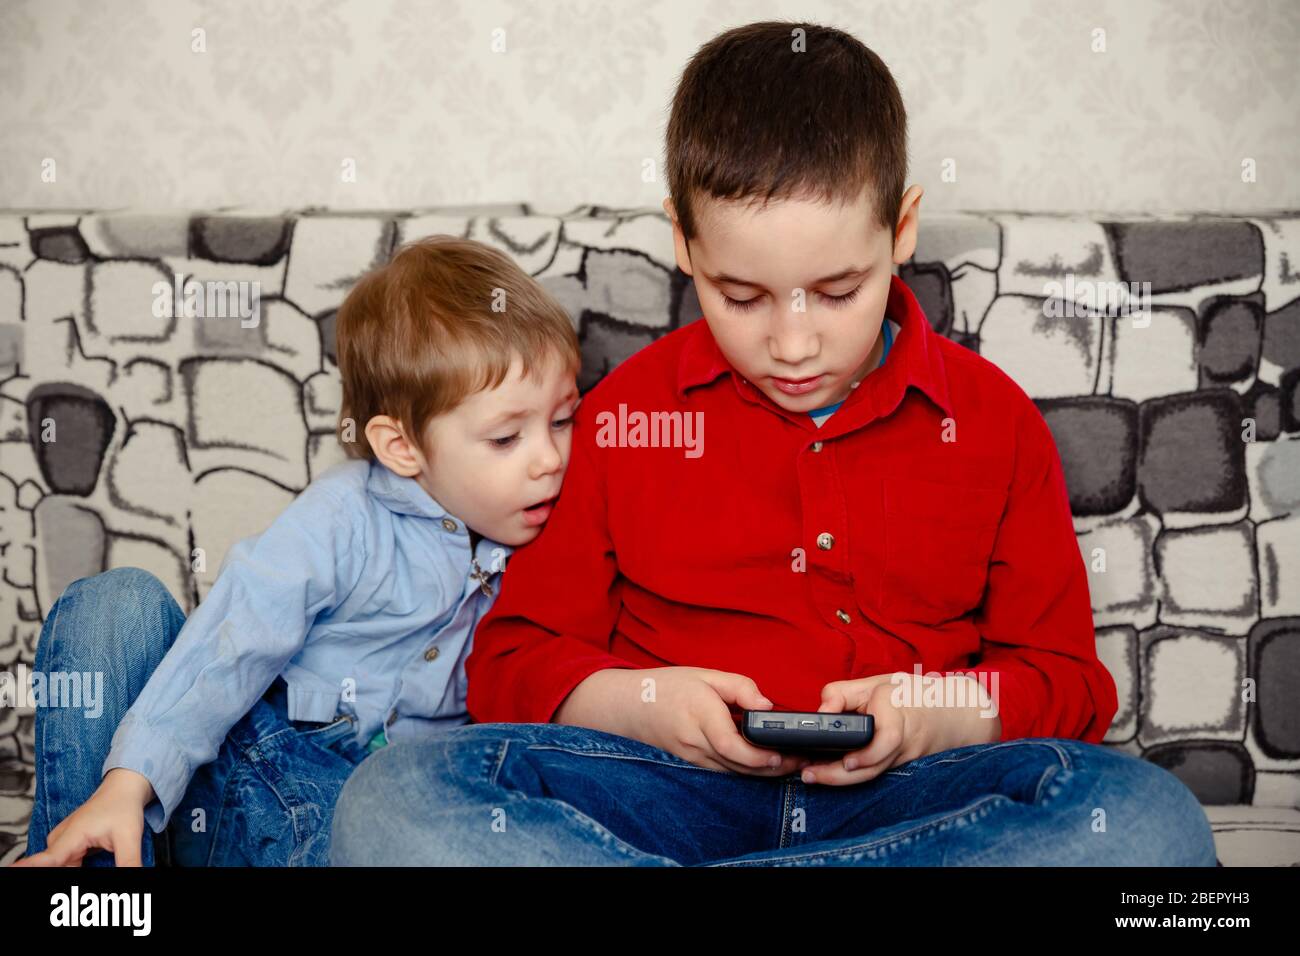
[[787, 793], [45, 777], [255, 758], [876, 844], [327, 735], [212, 846], [625, 756], [1048, 775], [501, 760], [1020, 741]]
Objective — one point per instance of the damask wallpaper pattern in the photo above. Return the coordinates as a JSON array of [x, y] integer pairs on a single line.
[[1034, 105]]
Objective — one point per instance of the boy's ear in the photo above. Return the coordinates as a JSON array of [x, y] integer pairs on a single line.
[[682, 254], [395, 452], [909, 211]]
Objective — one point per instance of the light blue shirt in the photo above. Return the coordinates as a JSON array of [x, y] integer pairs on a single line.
[[361, 594]]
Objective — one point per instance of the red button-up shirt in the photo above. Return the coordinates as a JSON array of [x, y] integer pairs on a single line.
[[926, 522]]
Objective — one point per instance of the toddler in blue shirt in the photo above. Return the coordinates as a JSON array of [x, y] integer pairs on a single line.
[[344, 625]]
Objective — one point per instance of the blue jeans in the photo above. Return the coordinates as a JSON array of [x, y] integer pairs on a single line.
[[268, 797], [530, 794]]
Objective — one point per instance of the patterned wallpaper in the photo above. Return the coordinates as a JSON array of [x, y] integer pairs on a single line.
[[285, 99]]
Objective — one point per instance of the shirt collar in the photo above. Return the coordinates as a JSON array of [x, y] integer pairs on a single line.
[[407, 496], [914, 357], [402, 495]]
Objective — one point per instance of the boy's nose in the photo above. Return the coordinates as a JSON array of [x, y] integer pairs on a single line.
[[549, 459], [793, 353], [792, 344]]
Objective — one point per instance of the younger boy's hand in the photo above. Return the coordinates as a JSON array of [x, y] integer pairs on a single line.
[[901, 733], [112, 819]]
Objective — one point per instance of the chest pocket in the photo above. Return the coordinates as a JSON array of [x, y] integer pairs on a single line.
[[938, 541]]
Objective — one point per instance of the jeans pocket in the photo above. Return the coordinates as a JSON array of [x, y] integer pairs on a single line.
[[326, 735]]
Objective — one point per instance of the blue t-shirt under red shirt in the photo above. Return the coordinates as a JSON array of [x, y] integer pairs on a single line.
[[820, 415]]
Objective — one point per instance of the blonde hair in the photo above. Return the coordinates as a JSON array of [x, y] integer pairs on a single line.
[[443, 319]]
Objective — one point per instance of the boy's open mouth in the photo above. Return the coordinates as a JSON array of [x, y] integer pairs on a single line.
[[538, 513]]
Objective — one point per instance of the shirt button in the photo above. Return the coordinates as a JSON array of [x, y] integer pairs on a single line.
[[842, 616], [431, 654], [449, 524], [825, 541], [816, 446]]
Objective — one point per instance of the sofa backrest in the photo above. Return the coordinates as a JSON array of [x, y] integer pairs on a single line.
[[1176, 415]]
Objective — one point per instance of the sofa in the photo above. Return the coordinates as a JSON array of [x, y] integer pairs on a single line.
[[1163, 351]]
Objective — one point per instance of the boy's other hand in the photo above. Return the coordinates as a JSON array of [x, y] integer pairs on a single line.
[[683, 710], [112, 819], [901, 733]]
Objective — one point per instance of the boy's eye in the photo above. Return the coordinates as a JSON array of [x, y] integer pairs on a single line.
[[844, 299], [739, 305], [509, 440], [744, 305]]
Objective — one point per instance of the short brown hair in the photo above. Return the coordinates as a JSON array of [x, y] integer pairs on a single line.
[[419, 335], [753, 117]]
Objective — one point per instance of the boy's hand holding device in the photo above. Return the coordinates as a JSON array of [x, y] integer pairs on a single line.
[[902, 732], [683, 710], [112, 819]]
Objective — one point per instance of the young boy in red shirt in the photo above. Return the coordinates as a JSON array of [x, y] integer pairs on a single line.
[[877, 523]]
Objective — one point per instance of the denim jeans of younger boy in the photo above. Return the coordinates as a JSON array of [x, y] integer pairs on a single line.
[[548, 794], [268, 797]]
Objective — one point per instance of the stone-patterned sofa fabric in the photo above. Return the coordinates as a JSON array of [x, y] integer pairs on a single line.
[[1177, 426]]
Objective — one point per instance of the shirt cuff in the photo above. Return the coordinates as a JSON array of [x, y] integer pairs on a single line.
[[155, 756]]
